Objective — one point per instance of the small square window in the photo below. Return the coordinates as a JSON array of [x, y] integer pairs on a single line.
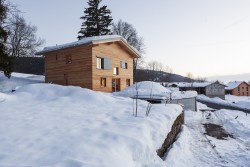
[[68, 59], [103, 82], [124, 65], [116, 71]]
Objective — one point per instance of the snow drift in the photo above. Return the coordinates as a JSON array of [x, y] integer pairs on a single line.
[[51, 125]]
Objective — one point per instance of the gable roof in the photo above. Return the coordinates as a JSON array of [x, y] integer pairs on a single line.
[[93, 40], [234, 84]]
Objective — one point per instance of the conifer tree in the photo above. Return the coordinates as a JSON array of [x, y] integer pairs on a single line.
[[5, 60], [96, 20]]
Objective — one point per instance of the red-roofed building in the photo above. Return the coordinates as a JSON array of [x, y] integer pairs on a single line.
[[238, 88]]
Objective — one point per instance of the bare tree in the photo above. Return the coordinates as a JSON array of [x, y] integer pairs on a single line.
[[22, 40], [128, 32], [201, 79]]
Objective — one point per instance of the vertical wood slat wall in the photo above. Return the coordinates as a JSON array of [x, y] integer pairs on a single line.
[[242, 92], [76, 73], [116, 53], [82, 71]]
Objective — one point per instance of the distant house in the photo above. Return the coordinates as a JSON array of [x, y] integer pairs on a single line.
[[238, 88], [209, 89], [101, 63]]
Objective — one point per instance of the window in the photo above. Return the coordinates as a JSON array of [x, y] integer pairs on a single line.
[[103, 63], [103, 82], [247, 88], [116, 71], [68, 59], [238, 88], [127, 82], [124, 65], [66, 79], [99, 63], [243, 88]]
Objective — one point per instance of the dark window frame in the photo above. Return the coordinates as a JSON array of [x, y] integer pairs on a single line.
[[68, 59]]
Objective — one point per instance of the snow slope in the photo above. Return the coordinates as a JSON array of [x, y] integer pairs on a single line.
[[17, 80], [52, 125], [238, 104]]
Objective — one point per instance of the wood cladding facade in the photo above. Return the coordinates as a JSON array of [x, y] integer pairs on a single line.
[[77, 66], [242, 90]]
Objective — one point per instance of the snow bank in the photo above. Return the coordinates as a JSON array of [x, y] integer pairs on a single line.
[[17, 80], [232, 98], [145, 89], [52, 125], [216, 100], [228, 117], [183, 94], [149, 89]]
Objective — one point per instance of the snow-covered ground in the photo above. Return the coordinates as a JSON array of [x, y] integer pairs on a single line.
[[52, 125], [17, 80], [233, 101], [243, 101], [149, 89], [194, 148], [232, 98]]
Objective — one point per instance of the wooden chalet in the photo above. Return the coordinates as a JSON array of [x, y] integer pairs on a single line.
[[238, 88], [101, 63]]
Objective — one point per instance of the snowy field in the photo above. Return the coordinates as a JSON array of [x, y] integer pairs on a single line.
[[239, 100], [17, 80], [57, 126], [51, 125]]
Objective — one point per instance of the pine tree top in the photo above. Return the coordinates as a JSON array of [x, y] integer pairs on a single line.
[[97, 20]]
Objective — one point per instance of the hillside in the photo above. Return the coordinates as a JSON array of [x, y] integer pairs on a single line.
[[159, 76]]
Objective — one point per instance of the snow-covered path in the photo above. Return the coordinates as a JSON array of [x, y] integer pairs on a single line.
[[195, 148]]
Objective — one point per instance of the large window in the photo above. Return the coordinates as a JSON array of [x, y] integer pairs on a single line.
[[103, 82], [103, 63], [116, 71], [124, 65]]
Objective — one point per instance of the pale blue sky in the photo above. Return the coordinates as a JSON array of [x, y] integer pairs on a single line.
[[204, 37]]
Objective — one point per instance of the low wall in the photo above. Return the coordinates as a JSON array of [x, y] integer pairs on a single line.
[[188, 103], [171, 137]]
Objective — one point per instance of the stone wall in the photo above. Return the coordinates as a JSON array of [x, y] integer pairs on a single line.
[[171, 136]]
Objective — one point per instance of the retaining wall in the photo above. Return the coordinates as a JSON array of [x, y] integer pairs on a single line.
[[171, 136]]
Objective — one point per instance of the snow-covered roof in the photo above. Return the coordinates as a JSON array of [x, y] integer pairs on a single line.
[[91, 40], [183, 94], [145, 89], [191, 84], [154, 90], [232, 85]]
